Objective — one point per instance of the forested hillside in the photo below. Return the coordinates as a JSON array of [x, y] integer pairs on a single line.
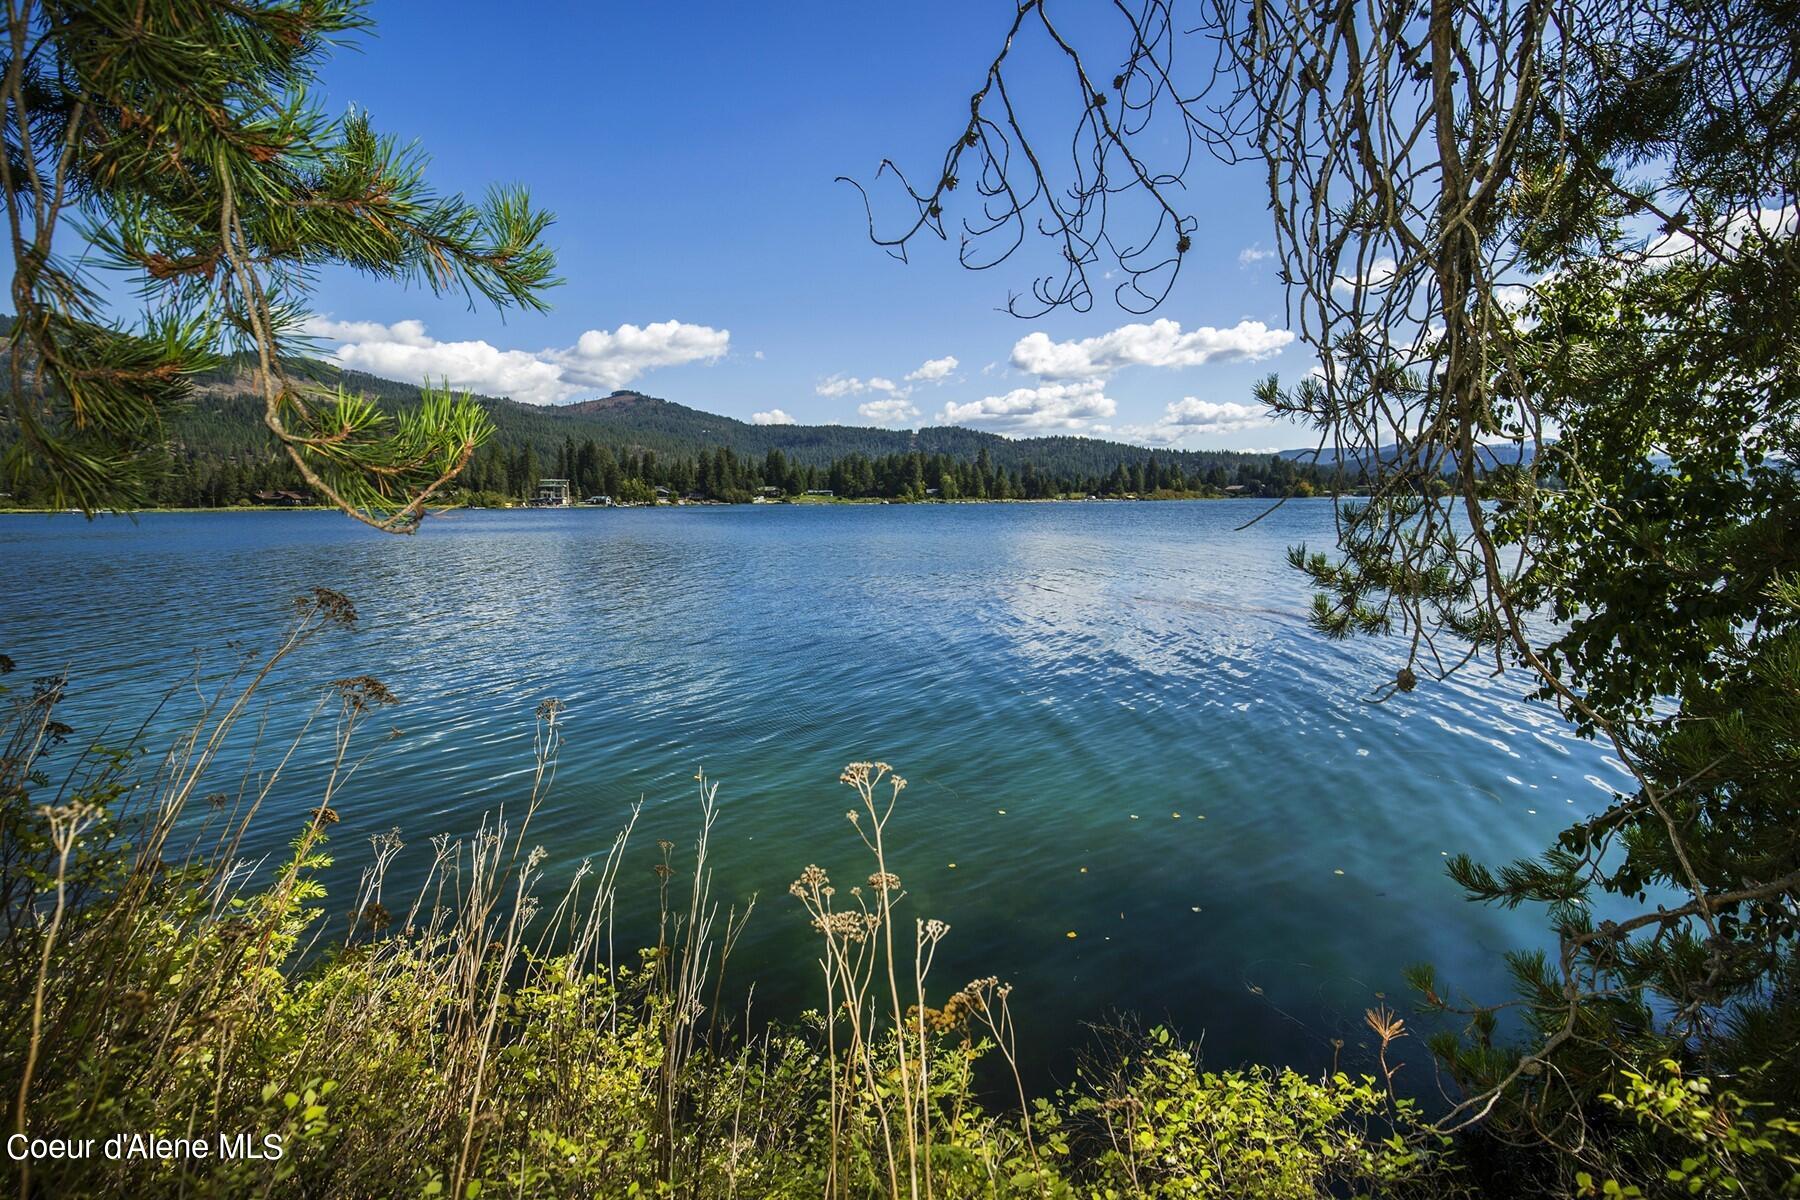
[[628, 444]]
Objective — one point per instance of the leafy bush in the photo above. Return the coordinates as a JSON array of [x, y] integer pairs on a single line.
[[1163, 1127]]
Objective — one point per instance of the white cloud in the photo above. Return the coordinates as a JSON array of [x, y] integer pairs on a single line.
[[839, 385], [406, 333], [1190, 417], [599, 359], [773, 417], [612, 360], [1250, 255], [1209, 416], [850, 385], [1159, 344], [1374, 277], [1773, 223], [933, 370], [895, 411], [1049, 406]]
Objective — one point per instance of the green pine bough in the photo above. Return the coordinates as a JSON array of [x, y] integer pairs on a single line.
[[178, 145]]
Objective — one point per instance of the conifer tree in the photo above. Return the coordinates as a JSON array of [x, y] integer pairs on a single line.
[[178, 141]]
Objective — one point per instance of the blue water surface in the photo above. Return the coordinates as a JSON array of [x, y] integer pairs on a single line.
[[1114, 717]]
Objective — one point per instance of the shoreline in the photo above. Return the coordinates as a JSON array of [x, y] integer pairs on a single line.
[[809, 502]]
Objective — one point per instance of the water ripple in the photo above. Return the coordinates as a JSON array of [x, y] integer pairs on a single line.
[[1135, 685]]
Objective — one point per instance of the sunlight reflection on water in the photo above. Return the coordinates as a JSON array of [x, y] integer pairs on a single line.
[[1076, 665]]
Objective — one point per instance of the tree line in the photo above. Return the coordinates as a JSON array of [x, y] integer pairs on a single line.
[[506, 473]]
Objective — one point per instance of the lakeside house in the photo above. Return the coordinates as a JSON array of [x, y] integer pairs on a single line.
[[552, 493], [283, 498]]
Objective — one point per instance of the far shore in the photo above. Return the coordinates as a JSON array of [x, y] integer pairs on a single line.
[[796, 501]]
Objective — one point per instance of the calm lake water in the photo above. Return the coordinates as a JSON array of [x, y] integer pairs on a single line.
[[1057, 681]]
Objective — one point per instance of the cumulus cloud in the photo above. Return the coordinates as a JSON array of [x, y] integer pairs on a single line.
[[839, 385], [612, 360], [1191, 417], [599, 359], [1047, 407], [894, 408], [850, 385], [933, 370], [406, 333], [1158, 344], [773, 417], [894, 411], [1251, 255], [1209, 416]]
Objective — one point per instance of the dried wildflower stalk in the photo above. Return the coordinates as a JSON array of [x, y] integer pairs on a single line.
[[888, 1031]]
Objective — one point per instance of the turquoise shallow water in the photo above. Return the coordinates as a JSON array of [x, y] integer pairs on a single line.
[[1092, 669]]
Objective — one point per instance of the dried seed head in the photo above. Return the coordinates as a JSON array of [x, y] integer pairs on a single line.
[[333, 606], [811, 880], [363, 692], [847, 926]]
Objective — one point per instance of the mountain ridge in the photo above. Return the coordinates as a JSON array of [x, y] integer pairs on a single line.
[[630, 419]]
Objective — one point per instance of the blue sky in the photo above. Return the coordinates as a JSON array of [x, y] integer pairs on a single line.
[[689, 152]]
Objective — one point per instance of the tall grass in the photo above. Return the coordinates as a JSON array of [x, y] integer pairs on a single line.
[[478, 1034]]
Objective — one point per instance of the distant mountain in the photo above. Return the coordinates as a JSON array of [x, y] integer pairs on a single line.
[[219, 453], [227, 418]]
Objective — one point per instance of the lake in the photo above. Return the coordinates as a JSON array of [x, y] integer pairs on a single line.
[[1114, 717]]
